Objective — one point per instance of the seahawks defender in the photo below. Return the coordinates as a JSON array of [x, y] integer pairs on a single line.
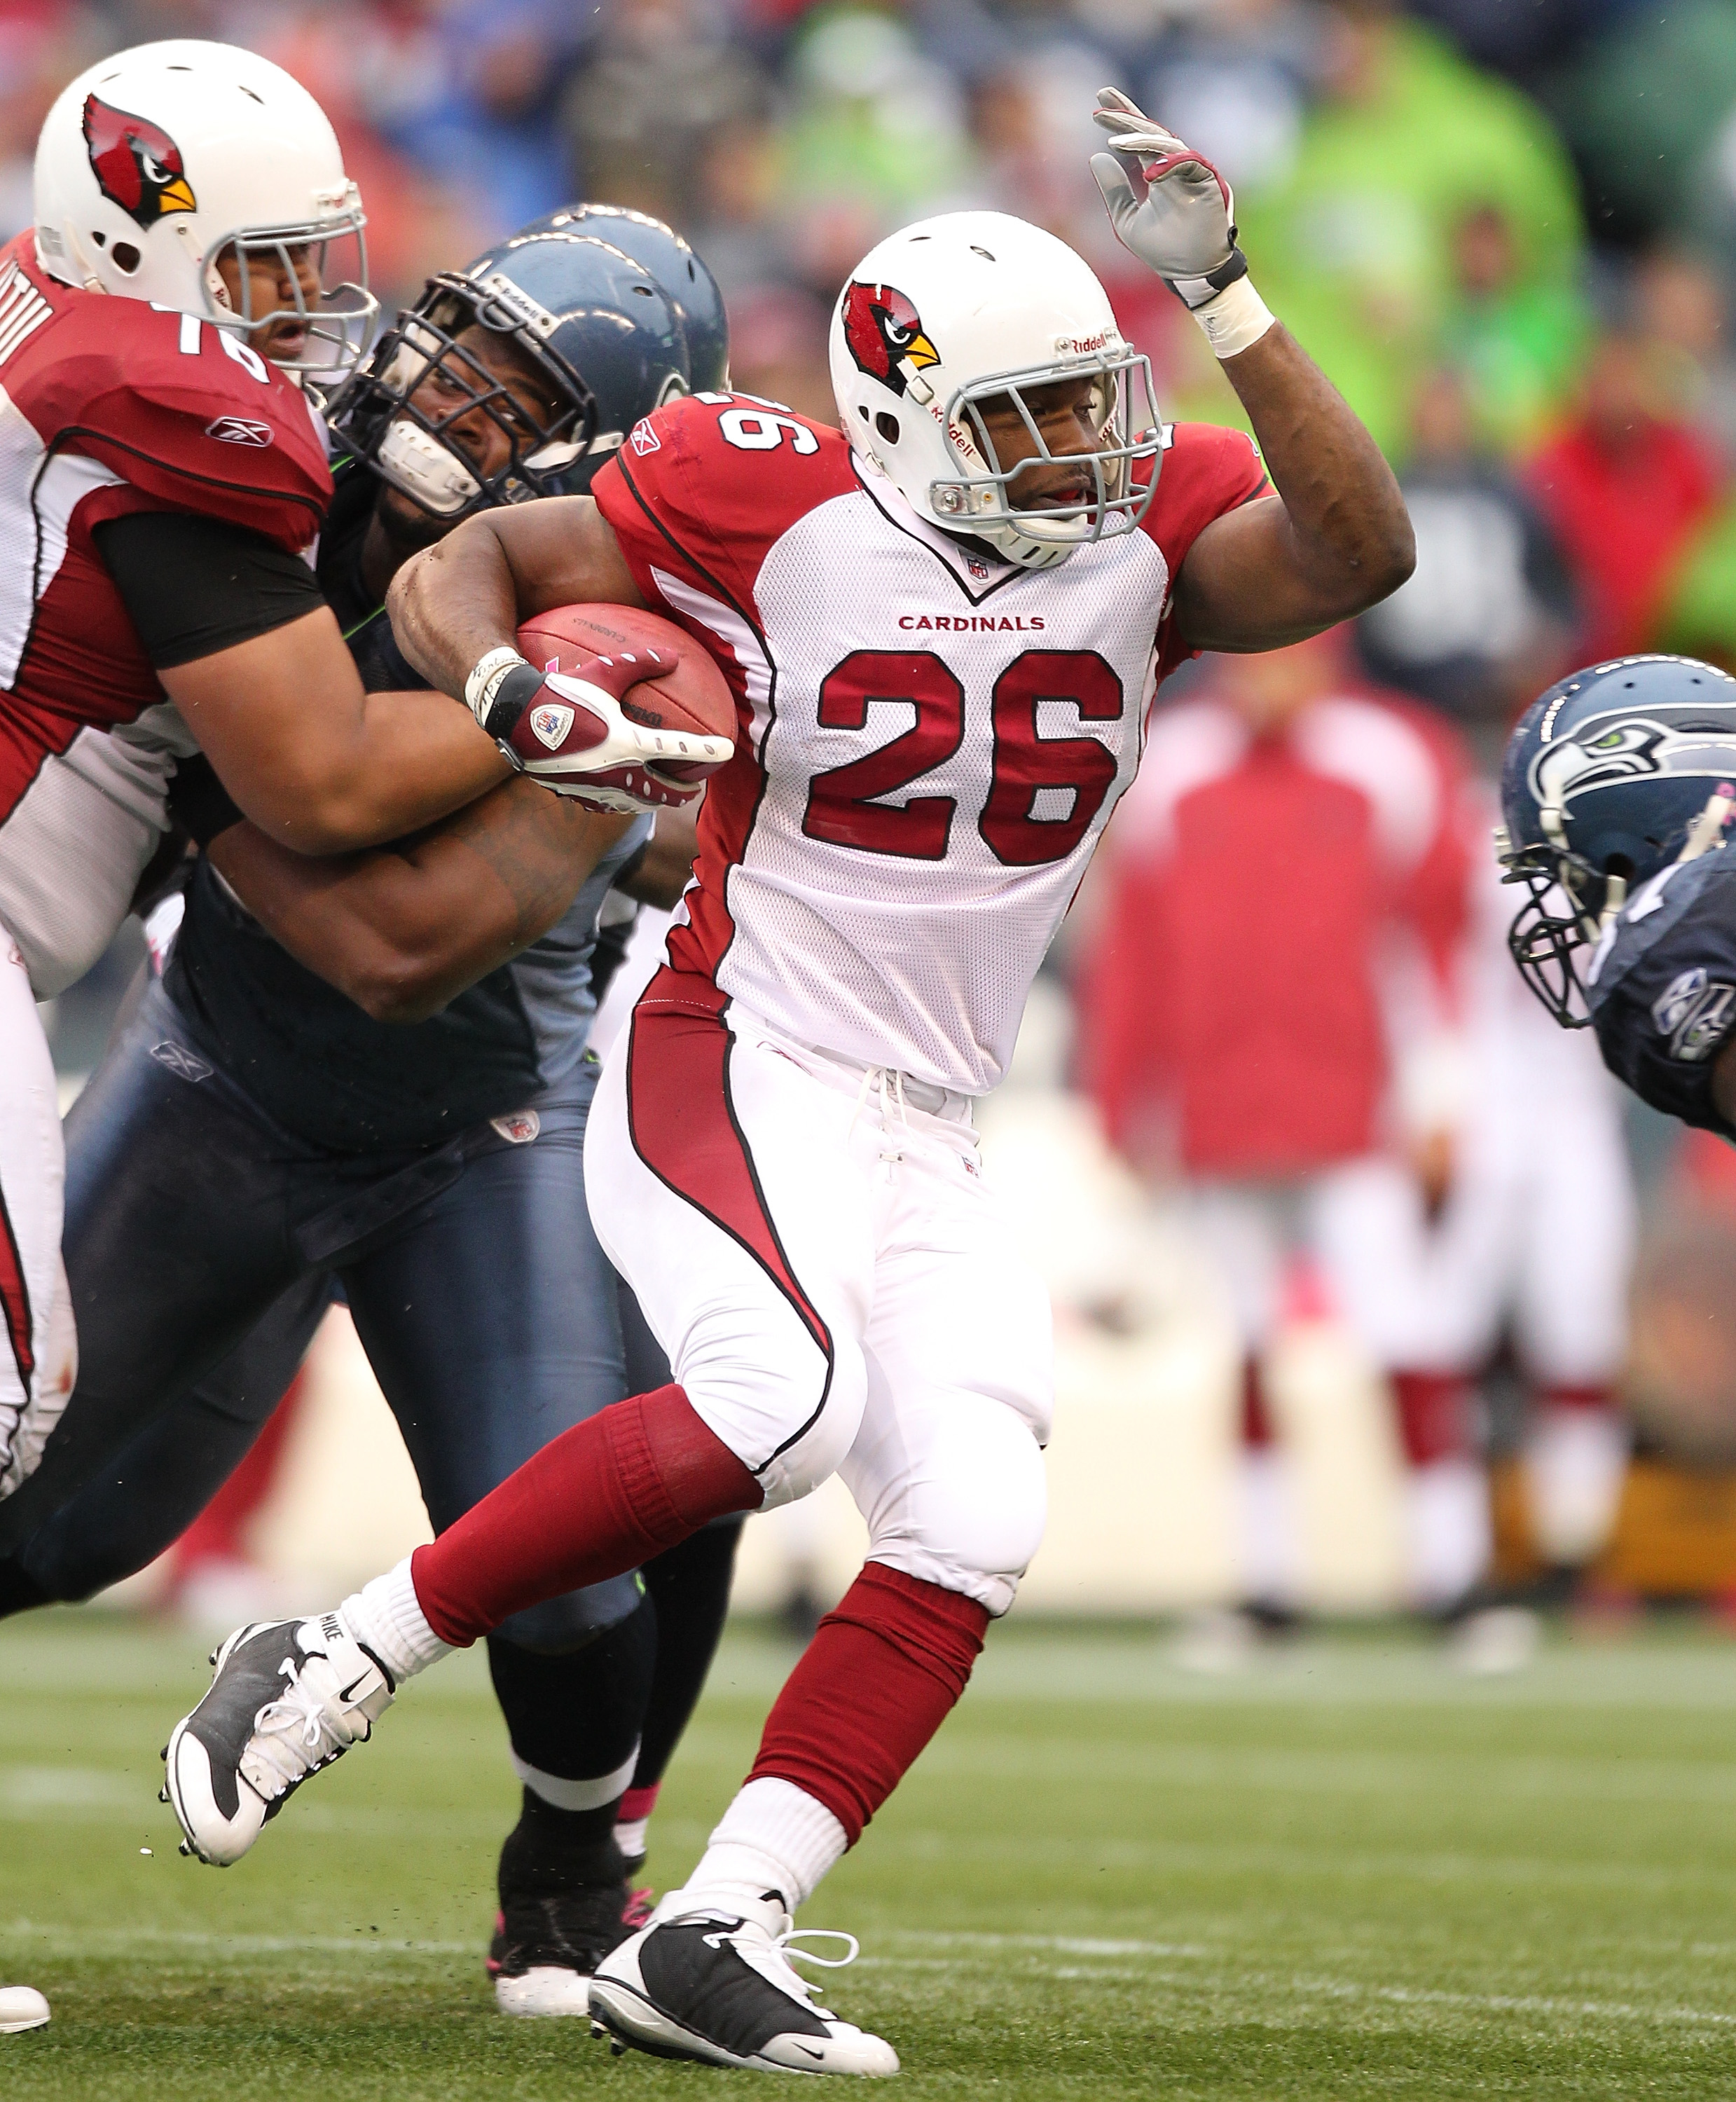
[[401, 1105], [1618, 794]]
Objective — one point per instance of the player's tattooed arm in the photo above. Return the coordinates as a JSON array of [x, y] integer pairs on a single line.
[[658, 873], [1335, 540], [403, 930], [455, 601]]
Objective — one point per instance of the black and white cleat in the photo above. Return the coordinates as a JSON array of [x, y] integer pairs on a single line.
[[290, 1696], [716, 1985]]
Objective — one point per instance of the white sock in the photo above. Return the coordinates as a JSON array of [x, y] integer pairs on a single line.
[[630, 1837], [1447, 1520], [386, 1617], [1271, 1547], [773, 1837], [1574, 1465]]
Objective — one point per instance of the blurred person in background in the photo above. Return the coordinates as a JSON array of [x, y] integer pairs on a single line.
[[874, 132], [1622, 488], [1271, 1010], [660, 80], [1406, 140], [1682, 301], [778, 351], [1520, 340], [1647, 105], [1489, 614]]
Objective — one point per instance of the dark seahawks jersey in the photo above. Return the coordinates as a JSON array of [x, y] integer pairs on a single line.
[[312, 1059], [1661, 988]]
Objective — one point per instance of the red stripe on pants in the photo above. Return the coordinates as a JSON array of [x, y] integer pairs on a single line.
[[684, 1130], [15, 1298]]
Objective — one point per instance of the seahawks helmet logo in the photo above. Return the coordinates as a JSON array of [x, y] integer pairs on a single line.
[[1609, 750], [1693, 1012]]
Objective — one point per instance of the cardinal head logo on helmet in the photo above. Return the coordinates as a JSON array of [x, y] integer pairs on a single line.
[[137, 164], [884, 333]]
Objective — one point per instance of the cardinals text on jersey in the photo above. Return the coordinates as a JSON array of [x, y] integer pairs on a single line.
[[932, 741], [108, 406]]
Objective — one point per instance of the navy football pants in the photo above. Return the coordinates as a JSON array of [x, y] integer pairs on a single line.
[[200, 1242]]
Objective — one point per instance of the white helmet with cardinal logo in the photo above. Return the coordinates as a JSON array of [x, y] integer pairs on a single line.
[[956, 311], [153, 162]]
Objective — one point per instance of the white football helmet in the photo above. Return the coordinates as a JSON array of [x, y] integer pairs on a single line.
[[955, 310], [153, 162]]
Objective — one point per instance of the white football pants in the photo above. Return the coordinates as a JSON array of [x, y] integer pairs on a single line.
[[39, 1350], [836, 1290]]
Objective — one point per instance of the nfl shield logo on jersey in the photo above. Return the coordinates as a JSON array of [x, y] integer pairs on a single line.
[[551, 723], [520, 1128], [644, 439]]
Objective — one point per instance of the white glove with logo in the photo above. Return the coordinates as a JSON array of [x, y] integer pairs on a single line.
[[1170, 208], [572, 734]]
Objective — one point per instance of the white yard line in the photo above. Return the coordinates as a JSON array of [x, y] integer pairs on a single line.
[[1347, 1988]]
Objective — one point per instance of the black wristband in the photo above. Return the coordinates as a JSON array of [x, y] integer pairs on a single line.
[[512, 696], [1196, 291], [199, 802]]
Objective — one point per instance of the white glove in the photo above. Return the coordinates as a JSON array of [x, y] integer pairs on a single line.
[[1180, 221]]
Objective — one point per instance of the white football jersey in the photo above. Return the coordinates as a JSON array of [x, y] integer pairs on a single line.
[[931, 742]]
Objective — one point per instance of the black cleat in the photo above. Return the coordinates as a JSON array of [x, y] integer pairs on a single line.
[[716, 1985], [562, 1910]]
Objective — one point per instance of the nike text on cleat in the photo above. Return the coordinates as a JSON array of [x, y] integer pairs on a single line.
[[716, 1985], [290, 1696]]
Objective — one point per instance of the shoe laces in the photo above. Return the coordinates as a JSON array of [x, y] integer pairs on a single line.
[[297, 1732], [780, 1950]]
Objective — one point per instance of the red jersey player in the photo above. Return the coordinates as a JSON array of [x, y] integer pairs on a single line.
[[943, 626], [162, 474]]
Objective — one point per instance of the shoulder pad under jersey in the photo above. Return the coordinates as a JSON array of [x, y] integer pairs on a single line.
[[185, 412]]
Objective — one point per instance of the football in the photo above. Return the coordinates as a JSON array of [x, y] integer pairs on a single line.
[[693, 696]]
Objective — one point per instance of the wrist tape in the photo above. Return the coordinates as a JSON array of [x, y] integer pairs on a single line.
[[1234, 318], [501, 687]]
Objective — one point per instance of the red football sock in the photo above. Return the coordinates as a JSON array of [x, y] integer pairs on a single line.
[[1434, 1415], [879, 1678], [600, 1499]]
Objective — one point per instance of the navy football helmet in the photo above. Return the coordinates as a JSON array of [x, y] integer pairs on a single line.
[[1611, 777], [612, 307]]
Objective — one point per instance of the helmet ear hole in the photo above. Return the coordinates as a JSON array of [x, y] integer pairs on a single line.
[[887, 424], [126, 257]]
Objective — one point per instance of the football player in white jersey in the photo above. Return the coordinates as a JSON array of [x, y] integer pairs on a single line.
[[944, 627]]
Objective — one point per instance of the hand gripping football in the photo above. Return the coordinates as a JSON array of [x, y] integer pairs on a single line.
[[633, 713]]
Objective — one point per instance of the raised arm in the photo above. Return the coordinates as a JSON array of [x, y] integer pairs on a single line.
[[1336, 539], [405, 929]]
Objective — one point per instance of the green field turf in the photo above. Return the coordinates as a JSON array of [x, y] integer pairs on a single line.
[[1347, 1873]]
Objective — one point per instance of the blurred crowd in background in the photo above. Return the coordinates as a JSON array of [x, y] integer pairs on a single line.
[[1505, 231]]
